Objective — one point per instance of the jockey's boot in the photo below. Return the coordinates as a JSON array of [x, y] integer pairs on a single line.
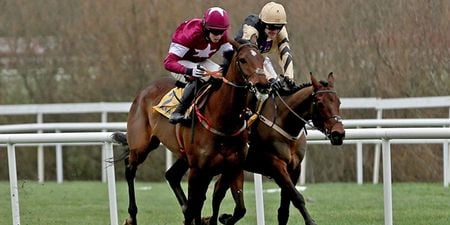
[[188, 95]]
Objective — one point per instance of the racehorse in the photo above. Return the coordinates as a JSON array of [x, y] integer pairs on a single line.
[[278, 144], [214, 144]]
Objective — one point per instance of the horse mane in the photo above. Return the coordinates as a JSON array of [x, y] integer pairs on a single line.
[[304, 85], [227, 57]]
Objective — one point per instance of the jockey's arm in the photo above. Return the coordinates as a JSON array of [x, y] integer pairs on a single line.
[[249, 33], [285, 57], [248, 30], [176, 52]]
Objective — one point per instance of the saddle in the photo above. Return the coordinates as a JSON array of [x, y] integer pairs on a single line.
[[171, 100]]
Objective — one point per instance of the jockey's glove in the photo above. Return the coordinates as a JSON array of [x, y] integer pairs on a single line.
[[275, 84], [198, 71]]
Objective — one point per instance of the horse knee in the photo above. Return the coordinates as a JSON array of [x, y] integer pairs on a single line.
[[299, 201]]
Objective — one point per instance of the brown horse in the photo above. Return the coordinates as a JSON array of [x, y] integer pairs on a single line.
[[278, 145], [212, 145]]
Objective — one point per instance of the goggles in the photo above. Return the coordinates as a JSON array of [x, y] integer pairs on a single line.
[[274, 26], [216, 32]]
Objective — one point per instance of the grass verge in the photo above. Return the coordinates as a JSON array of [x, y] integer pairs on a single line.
[[329, 204]]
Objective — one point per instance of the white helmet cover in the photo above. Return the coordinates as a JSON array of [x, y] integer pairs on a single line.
[[273, 13]]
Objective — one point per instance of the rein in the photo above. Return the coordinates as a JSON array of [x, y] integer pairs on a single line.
[[293, 138], [218, 75], [293, 112]]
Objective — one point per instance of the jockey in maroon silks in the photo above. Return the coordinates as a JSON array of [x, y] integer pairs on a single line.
[[194, 42]]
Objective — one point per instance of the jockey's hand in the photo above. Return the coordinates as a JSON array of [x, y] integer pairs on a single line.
[[198, 71], [275, 84]]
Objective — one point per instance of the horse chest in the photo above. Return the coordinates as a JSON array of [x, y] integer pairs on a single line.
[[227, 152], [220, 154]]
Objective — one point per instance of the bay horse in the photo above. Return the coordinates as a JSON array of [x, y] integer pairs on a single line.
[[214, 144], [278, 144]]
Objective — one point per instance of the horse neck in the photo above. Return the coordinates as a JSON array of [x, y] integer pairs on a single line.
[[226, 104], [301, 103]]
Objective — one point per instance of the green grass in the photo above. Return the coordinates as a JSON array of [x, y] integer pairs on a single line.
[[330, 204]]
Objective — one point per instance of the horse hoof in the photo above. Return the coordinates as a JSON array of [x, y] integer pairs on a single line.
[[224, 218], [312, 222], [206, 221], [129, 221]]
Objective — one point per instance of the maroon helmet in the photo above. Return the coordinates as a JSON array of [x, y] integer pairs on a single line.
[[216, 18]]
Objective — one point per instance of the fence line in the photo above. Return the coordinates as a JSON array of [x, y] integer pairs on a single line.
[[12, 139], [385, 134], [121, 126], [123, 107], [378, 104]]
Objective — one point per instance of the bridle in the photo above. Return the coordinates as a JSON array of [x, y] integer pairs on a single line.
[[325, 131], [336, 118], [257, 72], [248, 85]]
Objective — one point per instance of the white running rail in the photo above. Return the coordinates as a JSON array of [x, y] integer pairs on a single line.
[[10, 140], [386, 135]]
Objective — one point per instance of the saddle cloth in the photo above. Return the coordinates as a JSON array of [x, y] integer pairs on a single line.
[[169, 102]]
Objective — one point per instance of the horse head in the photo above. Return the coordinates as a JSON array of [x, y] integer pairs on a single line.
[[249, 63], [326, 105]]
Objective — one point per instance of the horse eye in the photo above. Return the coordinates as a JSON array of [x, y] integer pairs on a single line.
[[242, 60]]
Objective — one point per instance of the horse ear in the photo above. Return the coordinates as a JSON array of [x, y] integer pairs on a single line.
[[331, 79], [314, 81]]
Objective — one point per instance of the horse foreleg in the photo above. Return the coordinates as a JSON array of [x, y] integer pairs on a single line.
[[283, 210], [198, 182], [282, 178], [236, 187], [130, 174], [220, 189], [174, 175], [285, 199]]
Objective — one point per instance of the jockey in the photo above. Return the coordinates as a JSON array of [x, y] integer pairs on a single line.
[[268, 32], [193, 43]]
